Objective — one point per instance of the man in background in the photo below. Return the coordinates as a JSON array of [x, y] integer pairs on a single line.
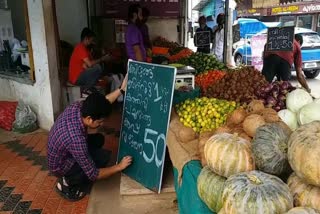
[[134, 39], [278, 63], [83, 70], [145, 29], [218, 37], [203, 27]]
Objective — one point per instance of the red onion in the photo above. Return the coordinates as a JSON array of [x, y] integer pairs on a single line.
[[281, 97], [272, 101], [277, 108], [268, 88]]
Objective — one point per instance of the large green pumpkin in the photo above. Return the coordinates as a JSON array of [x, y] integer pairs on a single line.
[[304, 152], [210, 188], [304, 194], [256, 192], [303, 210], [270, 147], [228, 154]]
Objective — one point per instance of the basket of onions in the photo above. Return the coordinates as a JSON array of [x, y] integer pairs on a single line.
[[274, 94]]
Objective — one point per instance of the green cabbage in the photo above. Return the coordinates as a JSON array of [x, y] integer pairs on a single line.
[[297, 99], [309, 113], [289, 118]]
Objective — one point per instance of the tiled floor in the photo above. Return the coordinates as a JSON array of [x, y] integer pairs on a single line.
[[25, 183]]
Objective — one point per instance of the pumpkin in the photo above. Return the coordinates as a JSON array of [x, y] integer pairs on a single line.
[[236, 117], [251, 123], [304, 152], [228, 154], [256, 192], [270, 146], [203, 138], [210, 187], [304, 194], [303, 210]]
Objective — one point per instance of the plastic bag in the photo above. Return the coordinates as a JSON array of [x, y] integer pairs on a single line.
[[26, 120]]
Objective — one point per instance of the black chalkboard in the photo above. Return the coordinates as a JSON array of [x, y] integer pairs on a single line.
[[145, 122], [203, 38], [280, 39]]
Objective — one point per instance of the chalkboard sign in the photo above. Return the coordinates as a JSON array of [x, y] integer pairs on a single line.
[[280, 39], [145, 121], [203, 38]]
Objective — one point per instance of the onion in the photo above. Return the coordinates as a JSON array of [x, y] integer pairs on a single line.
[[268, 88], [285, 85], [281, 97], [281, 104], [284, 92], [277, 108], [271, 101]]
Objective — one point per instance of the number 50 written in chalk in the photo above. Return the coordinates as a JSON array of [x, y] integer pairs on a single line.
[[155, 146]]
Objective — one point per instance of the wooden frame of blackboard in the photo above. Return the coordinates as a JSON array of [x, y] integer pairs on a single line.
[[168, 122], [283, 48], [196, 37]]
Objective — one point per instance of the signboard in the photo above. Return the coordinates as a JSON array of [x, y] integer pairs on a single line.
[[145, 122], [158, 8], [257, 48], [280, 39], [203, 38]]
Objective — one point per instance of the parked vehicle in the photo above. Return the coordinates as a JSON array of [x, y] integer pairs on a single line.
[[310, 52]]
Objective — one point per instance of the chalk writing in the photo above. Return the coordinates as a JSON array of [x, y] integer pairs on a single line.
[[203, 38], [280, 39]]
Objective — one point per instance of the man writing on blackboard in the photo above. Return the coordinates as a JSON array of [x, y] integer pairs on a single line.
[[203, 27], [278, 63], [76, 157], [134, 38]]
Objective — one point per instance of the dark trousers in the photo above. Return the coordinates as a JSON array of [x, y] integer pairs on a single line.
[[90, 77], [274, 65], [76, 177]]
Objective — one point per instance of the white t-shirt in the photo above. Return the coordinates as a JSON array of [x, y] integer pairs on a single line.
[[218, 44]]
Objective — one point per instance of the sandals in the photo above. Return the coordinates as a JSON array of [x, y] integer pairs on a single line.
[[69, 193]]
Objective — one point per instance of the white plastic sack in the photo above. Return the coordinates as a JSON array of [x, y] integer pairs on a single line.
[[26, 119]]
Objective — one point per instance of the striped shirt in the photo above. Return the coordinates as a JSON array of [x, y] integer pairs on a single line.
[[67, 144]]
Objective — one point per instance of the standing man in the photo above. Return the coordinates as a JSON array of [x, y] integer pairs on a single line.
[[83, 70], [218, 37], [203, 27], [134, 40], [278, 63], [76, 157], [145, 29]]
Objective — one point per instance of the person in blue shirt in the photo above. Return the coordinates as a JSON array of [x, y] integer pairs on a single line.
[[203, 27]]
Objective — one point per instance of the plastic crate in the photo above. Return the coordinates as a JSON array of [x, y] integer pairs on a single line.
[[181, 96]]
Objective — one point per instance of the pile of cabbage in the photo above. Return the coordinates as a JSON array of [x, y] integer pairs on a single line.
[[301, 109]]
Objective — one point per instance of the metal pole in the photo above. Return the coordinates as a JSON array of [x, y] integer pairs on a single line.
[[226, 27]]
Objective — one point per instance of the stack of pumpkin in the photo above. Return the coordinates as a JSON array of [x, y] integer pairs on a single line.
[[231, 182]]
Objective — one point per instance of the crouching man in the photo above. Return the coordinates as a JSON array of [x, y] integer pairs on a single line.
[[76, 157]]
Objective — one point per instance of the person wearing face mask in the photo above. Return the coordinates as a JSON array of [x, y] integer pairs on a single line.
[[218, 37], [133, 37], [203, 27], [83, 70]]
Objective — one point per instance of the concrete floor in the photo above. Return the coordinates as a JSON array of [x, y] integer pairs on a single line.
[[105, 197]]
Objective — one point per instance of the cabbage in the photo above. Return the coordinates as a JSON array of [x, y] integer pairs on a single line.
[[289, 118], [309, 113], [297, 99], [317, 100]]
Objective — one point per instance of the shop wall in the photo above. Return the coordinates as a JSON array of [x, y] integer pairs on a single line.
[[164, 27], [72, 18], [44, 95]]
